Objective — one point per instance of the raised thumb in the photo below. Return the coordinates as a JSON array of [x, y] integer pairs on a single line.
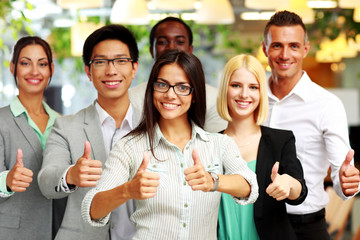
[[87, 150], [19, 158], [195, 157], [144, 163], [349, 157], [274, 171]]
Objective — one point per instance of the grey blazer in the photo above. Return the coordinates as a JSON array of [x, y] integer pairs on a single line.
[[64, 147], [25, 215]]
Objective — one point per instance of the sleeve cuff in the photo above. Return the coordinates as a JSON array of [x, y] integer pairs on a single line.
[[63, 186], [4, 193]]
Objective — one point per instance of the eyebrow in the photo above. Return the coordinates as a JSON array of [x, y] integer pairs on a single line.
[[122, 55], [27, 58], [179, 83]]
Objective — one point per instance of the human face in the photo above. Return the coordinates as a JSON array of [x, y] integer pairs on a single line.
[[243, 95], [112, 83], [286, 50], [170, 35], [170, 105], [33, 70]]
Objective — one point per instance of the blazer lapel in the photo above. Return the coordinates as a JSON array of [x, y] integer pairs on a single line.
[[93, 132], [30, 136]]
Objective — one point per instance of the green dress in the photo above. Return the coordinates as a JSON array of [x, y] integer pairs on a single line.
[[236, 221]]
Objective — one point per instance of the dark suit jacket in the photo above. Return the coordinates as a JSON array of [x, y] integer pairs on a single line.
[[24, 215], [270, 215]]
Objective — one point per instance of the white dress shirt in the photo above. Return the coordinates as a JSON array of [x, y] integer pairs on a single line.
[[318, 121], [176, 212], [121, 227]]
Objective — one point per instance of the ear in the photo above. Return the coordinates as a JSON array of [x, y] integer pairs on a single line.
[[306, 49], [191, 48], [135, 68], [12, 68], [52, 69], [87, 71], [264, 48], [152, 51]]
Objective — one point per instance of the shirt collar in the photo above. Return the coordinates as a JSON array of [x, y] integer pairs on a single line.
[[195, 132], [17, 109], [103, 115], [300, 88]]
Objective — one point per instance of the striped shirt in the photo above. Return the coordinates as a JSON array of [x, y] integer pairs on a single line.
[[176, 212]]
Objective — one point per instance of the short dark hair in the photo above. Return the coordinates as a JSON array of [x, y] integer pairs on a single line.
[[170, 19], [30, 40], [284, 18], [192, 67], [112, 31]]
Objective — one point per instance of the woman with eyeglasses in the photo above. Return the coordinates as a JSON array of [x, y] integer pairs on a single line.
[[24, 127], [173, 169], [243, 102]]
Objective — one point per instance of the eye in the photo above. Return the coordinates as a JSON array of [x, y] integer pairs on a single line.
[[180, 42], [43, 64], [182, 88], [162, 42], [254, 87], [99, 61], [235, 85], [24, 63], [161, 85], [121, 61]]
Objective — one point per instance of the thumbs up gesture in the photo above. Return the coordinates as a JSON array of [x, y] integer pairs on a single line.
[[19, 177], [144, 184], [349, 175], [197, 177], [280, 186], [86, 172]]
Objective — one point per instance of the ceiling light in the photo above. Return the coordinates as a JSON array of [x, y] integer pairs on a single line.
[[134, 12], [349, 3], [322, 4], [256, 15], [215, 12], [266, 4], [77, 4]]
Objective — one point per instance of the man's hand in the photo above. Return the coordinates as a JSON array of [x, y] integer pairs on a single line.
[[86, 172], [144, 184], [19, 177], [349, 175], [197, 177]]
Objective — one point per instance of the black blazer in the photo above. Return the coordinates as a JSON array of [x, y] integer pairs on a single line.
[[270, 215]]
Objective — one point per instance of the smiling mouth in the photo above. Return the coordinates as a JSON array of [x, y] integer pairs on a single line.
[[242, 103], [112, 83], [170, 105], [33, 81]]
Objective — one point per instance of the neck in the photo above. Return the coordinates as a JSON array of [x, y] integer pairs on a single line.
[[281, 87], [241, 128], [177, 131], [32, 102], [116, 108]]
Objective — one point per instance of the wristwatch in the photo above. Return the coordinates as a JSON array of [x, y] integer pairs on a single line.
[[215, 177]]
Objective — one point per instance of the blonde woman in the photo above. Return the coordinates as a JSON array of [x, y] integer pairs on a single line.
[[243, 102]]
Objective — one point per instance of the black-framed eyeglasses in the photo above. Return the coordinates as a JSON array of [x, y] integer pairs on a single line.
[[179, 89], [118, 62]]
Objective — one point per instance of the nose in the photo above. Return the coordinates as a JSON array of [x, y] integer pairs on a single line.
[[244, 92], [110, 68], [34, 69], [171, 93], [171, 45], [284, 52]]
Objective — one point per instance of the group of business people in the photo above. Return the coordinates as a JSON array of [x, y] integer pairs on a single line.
[[167, 159]]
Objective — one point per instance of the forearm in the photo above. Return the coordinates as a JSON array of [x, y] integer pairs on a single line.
[[295, 188], [234, 185], [105, 202]]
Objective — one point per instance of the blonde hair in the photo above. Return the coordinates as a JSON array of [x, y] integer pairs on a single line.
[[251, 64]]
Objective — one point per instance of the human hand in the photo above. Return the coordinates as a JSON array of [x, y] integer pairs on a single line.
[[144, 184], [280, 186], [197, 177], [349, 175], [19, 177], [86, 172]]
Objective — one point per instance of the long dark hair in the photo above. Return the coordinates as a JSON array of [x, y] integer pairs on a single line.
[[30, 40], [192, 68]]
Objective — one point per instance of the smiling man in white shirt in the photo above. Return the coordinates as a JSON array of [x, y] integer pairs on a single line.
[[316, 117]]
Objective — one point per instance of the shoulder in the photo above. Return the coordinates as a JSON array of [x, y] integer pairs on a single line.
[[5, 112], [138, 88], [276, 135], [77, 117]]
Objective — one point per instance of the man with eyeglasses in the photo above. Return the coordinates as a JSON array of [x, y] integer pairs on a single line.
[[79, 144], [173, 33]]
